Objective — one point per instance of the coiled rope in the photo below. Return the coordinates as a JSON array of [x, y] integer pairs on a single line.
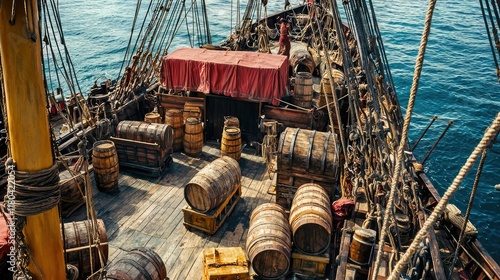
[[404, 136], [34, 192], [487, 140]]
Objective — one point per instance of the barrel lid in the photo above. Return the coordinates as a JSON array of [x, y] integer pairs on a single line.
[[173, 111], [366, 234], [152, 114], [232, 130], [304, 75], [192, 120], [104, 144]]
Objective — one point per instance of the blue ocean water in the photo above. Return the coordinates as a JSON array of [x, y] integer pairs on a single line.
[[458, 80]]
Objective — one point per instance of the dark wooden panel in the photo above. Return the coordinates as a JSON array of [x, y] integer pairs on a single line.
[[220, 106]]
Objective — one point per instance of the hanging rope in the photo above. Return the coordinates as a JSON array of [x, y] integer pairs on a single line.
[[469, 208], [487, 140], [404, 136]]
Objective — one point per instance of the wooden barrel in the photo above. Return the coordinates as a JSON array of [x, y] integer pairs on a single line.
[[230, 121], [269, 241], [72, 192], [105, 161], [311, 219], [193, 137], [152, 117], [173, 118], [308, 151], [138, 264], [76, 242], [212, 184], [191, 110], [303, 90], [158, 133], [361, 245], [230, 144], [338, 77]]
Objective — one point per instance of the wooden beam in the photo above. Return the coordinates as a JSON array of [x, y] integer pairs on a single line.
[[29, 127]]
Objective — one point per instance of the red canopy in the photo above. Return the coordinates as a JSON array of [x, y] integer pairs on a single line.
[[251, 75]]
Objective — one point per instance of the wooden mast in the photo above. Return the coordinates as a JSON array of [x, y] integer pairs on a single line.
[[29, 127]]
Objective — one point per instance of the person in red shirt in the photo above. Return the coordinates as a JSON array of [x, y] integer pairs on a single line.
[[284, 40], [310, 3]]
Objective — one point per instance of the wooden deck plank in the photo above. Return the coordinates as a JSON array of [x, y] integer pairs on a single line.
[[146, 212]]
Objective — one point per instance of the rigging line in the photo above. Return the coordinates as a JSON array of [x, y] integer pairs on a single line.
[[490, 39], [335, 101], [170, 29], [195, 23], [130, 38], [64, 71], [187, 25], [178, 25], [404, 135], [159, 23], [493, 27], [383, 54], [162, 24], [489, 136], [205, 22], [68, 76], [469, 208]]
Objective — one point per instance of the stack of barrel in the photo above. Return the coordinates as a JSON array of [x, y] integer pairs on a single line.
[[193, 130], [174, 118], [230, 144], [269, 241], [187, 129], [306, 156]]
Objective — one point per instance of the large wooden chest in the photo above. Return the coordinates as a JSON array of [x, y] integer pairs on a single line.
[[149, 158], [225, 264]]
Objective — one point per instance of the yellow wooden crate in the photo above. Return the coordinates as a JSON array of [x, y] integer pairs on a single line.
[[211, 221], [225, 264], [310, 265]]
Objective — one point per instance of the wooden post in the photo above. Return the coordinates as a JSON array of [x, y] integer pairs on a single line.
[[20, 51]]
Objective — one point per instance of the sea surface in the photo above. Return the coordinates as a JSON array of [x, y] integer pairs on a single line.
[[458, 81]]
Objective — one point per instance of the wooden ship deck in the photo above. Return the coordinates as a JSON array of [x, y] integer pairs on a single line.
[[147, 212]]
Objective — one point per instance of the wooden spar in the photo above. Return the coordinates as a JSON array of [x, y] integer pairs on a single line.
[[29, 127]]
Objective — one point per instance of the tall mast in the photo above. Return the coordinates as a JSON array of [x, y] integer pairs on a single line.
[[28, 126]]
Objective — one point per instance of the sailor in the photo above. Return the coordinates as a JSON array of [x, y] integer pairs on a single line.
[[284, 40]]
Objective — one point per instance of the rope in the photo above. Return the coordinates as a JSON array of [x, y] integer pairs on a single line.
[[469, 208], [35, 192], [404, 136], [488, 138]]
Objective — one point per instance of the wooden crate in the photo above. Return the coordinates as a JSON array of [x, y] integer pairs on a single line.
[[310, 265], [211, 221], [149, 158], [288, 183], [225, 264]]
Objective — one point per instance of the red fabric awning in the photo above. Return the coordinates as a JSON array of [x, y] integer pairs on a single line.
[[250, 75]]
